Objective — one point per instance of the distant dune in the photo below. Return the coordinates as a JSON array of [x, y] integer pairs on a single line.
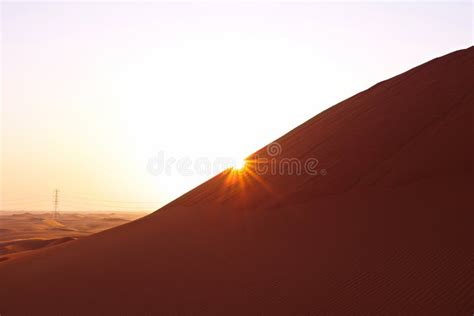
[[22, 232], [16, 246], [386, 227]]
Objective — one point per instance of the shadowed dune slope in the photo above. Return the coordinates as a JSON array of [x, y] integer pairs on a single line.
[[387, 229]]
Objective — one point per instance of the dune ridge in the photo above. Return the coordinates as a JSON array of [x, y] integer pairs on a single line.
[[387, 229]]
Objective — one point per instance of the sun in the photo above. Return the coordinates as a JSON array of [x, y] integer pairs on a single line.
[[239, 164]]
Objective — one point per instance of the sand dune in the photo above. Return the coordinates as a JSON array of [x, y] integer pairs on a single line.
[[24, 232], [23, 225], [29, 244], [386, 230]]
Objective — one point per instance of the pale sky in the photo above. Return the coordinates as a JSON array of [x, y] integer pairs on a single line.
[[94, 93]]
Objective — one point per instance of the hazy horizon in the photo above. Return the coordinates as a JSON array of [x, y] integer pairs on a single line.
[[94, 94]]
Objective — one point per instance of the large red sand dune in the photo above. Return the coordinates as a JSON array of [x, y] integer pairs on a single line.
[[388, 229]]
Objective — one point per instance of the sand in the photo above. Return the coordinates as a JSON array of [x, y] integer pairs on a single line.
[[386, 230], [27, 231]]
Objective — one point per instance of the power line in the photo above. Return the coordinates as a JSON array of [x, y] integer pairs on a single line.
[[35, 198], [79, 202], [69, 204], [85, 205], [74, 198]]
